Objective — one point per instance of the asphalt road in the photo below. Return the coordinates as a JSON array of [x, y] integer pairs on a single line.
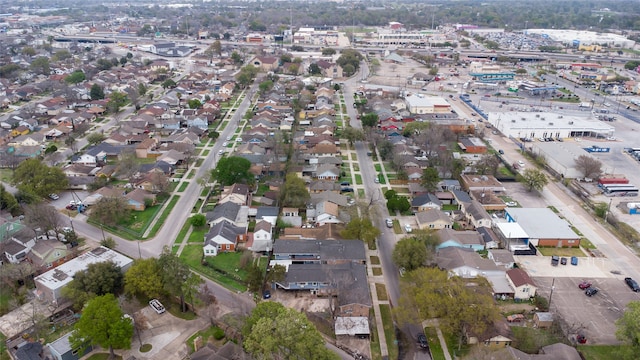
[[373, 195]]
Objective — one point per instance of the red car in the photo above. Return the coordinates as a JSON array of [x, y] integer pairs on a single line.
[[584, 285]]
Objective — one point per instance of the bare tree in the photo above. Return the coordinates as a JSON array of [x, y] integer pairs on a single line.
[[44, 217], [159, 181], [9, 160], [128, 165], [588, 166], [209, 300], [487, 165]]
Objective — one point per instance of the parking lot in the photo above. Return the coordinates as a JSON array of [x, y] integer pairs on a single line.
[[594, 316]]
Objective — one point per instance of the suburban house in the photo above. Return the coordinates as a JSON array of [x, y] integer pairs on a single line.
[[464, 239], [325, 212], [262, 237], [236, 193], [19, 244], [481, 183], [229, 211], [524, 287], [466, 263], [472, 145], [496, 335], [476, 214], [49, 285], [502, 258], [46, 254], [222, 237], [61, 349], [425, 202], [137, 199], [433, 219]]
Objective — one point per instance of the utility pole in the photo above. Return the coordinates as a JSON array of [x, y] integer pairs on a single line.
[[551, 293]]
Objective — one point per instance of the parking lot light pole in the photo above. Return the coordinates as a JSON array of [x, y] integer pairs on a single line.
[[551, 293]]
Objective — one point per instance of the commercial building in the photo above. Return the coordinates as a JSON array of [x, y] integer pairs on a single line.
[[535, 125]]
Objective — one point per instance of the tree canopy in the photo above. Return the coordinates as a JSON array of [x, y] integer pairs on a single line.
[[350, 61], [273, 331], [231, 170], [144, 278], [97, 280], [75, 77], [177, 278], [534, 179], [629, 330], [362, 229], [409, 253], [459, 304], [35, 177], [110, 210], [8, 202], [103, 323], [96, 92], [294, 193], [588, 166], [370, 119], [430, 178]]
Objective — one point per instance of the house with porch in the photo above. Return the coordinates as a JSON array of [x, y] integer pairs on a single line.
[[222, 237]]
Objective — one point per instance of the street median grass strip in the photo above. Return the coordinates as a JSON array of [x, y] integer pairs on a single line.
[[375, 342], [163, 217], [437, 353], [377, 271], [397, 229], [183, 232], [381, 291], [598, 352], [389, 330], [183, 187]]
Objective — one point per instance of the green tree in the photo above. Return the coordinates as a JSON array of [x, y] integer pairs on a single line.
[[75, 77], [433, 71], [255, 277], [168, 84], [534, 179], [385, 148], [198, 220], [96, 92], [430, 178], [33, 176], [362, 229], [142, 89], [28, 51], [409, 253], [175, 276], [632, 65], [265, 86], [273, 331], [431, 293], [370, 119], [350, 61], [95, 138], [116, 101], [40, 65], [231, 170], [144, 279], [103, 323], [8, 202], [108, 242], [398, 203], [328, 51], [194, 104], [352, 134], [97, 280], [236, 57], [294, 193], [314, 69], [628, 331]]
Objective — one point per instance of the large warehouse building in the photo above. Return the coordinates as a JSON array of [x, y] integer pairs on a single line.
[[535, 125], [575, 37]]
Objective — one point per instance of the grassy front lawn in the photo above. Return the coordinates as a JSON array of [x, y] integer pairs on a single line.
[[6, 175], [568, 252], [212, 332], [598, 352], [437, 353], [220, 268], [389, 331], [530, 340], [381, 291], [197, 234]]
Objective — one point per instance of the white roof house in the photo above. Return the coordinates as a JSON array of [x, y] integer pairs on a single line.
[[50, 284], [354, 325]]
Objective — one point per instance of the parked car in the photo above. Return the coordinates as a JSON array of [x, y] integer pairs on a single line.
[[54, 196], [376, 180], [389, 223], [347, 189], [584, 285], [408, 228], [345, 183], [555, 260], [632, 284], [422, 341], [591, 291], [511, 203], [563, 261], [515, 318], [501, 152], [521, 163], [266, 294], [157, 306]]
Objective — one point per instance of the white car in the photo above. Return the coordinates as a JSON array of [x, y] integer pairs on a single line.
[[157, 306], [225, 144], [221, 152], [521, 163], [511, 203], [228, 138], [54, 196], [408, 228]]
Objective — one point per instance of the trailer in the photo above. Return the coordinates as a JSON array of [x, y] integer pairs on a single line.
[[612, 179]]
